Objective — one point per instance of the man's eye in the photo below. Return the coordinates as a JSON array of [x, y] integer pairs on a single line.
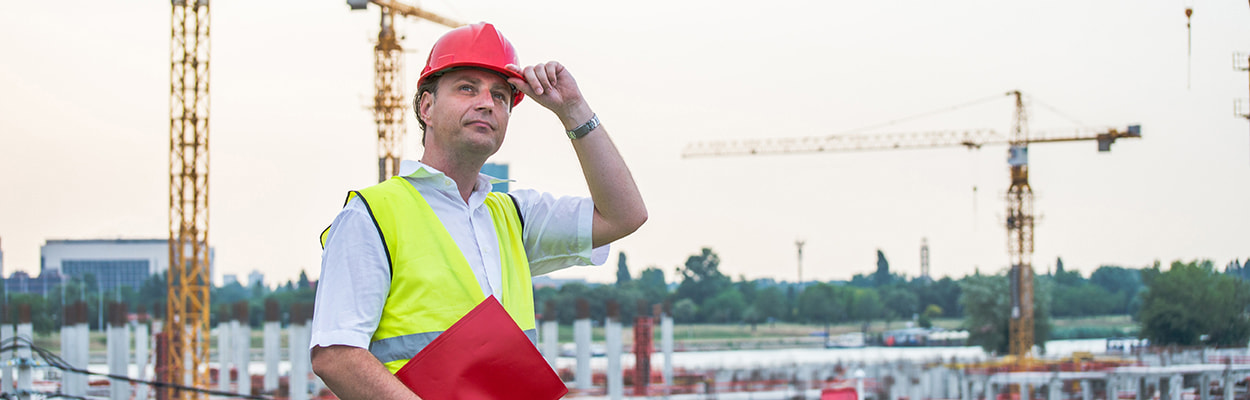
[[466, 88], [500, 96]]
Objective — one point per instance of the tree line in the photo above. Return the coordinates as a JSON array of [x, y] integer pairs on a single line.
[[1162, 302]]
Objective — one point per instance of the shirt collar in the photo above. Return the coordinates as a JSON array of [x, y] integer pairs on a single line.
[[420, 171]]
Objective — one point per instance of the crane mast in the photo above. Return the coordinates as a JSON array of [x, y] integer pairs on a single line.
[[389, 106], [187, 308], [1020, 216], [1020, 234]]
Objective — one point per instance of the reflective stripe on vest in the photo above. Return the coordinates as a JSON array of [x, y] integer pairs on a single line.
[[432, 285]]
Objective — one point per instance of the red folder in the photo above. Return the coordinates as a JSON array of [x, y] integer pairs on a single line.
[[484, 355]]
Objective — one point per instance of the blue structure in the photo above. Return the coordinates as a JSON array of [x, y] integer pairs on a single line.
[[499, 171]]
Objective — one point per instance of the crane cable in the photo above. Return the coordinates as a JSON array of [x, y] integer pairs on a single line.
[[59, 363], [925, 114]]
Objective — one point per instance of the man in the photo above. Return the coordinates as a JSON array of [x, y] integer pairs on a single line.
[[406, 258]]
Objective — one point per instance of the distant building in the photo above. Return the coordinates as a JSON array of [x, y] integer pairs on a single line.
[[113, 262], [1, 261], [255, 278], [21, 282], [228, 279], [498, 171]]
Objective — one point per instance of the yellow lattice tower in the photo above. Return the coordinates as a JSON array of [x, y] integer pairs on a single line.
[[188, 280]]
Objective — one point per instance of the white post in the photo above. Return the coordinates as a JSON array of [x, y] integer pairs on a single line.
[[83, 340], [1230, 385], [273, 338], [1174, 387], [141, 357], [612, 339], [859, 384], [1055, 390], [1025, 391], [242, 357], [666, 346], [6, 336], [67, 351], [1113, 387], [1087, 390], [581, 334], [299, 357], [224, 354], [118, 343], [25, 378], [551, 342]]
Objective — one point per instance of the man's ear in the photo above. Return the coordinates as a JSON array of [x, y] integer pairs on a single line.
[[424, 102]]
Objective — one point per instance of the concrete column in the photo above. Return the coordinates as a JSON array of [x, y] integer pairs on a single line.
[[666, 346], [6, 336], [581, 335], [550, 334], [1230, 385], [612, 339], [1054, 391], [965, 386], [1113, 387], [1174, 387], [273, 341], [896, 388], [859, 384], [1087, 390], [1204, 387], [1026, 391], [82, 336], [67, 348], [25, 377], [299, 345], [142, 392], [242, 347], [225, 352], [916, 381], [1142, 387], [118, 343], [954, 386]]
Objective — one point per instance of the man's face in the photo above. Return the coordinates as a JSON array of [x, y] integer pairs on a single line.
[[468, 113]]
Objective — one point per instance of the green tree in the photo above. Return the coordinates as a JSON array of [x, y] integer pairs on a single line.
[[726, 306], [823, 303], [685, 310], [701, 278], [930, 312], [622, 270], [651, 283], [770, 303], [1168, 313], [303, 281], [882, 277], [865, 305], [986, 300]]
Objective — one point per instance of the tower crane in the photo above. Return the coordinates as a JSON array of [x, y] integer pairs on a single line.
[[184, 359], [1019, 194], [388, 98]]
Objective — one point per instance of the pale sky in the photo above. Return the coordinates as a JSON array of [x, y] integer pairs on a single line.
[[84, 88]]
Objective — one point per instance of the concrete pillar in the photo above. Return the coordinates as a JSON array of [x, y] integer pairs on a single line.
[[965, 386], [118, 343], [272, 342], [1174, 387], [916, 380], [1113, 387], [25, 377], [225, 352], [6, 336], [82, 336], [1087, 390], [550, 334], [67, 348], [1204, 387], [1142, 387], [1026, 392], [612, 339], [142, 346], [897, 388], [299, 345], [581, 335], [1054, 390], [242, 347], [859, 384], [1230, 385], [666, 346], [954, 386]]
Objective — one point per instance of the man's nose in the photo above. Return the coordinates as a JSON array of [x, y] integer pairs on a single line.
[[484, 100]]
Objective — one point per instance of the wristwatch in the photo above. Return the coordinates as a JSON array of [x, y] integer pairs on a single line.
[[584, 129]]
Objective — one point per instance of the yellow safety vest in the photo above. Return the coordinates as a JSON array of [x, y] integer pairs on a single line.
[[432, 285]]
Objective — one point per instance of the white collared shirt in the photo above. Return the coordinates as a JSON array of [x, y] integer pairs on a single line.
[[355, 273]]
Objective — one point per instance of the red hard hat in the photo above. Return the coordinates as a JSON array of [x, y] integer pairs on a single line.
[[477, 45]]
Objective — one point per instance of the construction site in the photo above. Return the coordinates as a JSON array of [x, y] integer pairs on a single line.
[[179, 354]]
